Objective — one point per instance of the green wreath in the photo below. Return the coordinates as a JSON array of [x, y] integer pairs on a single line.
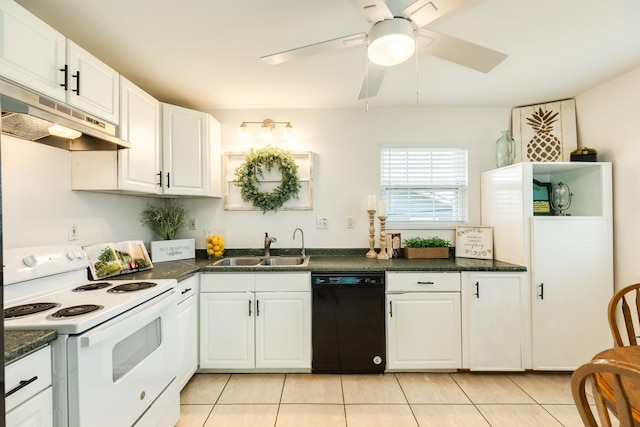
[[248, 173]]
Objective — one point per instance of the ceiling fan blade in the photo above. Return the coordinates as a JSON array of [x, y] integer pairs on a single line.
[[315, 49], [459, 51], [373, 10], [422, 12], [372, 81]]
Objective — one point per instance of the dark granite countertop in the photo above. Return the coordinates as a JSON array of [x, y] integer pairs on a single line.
[[19, 343], [324, 260]]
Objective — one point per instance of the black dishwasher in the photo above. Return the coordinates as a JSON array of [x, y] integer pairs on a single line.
[[348, 333]]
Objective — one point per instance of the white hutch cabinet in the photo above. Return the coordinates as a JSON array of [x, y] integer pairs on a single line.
[[569, 258]]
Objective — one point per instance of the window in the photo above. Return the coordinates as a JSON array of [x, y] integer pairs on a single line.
[[424, 186]]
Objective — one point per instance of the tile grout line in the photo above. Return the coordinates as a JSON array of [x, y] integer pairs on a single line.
[[453, 377], [532, 398], [406, 399]]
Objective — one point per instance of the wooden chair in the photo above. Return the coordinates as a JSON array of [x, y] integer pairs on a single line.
[[615, 386], [625, 298]]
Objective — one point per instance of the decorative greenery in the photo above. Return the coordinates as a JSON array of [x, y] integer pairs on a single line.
[[421, 242], [584, 150], [165, 219], [248, 173]]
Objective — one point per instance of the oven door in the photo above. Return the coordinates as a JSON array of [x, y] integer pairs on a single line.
[[119, 368]]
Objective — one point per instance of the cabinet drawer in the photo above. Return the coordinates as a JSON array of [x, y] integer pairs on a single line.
[[423, 282], [227, 282], [36, 365], [283, 282]]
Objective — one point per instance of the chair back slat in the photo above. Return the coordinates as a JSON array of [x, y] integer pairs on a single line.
[[628, 322]]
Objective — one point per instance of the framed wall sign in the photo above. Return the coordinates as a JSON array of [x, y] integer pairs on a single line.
[[541, 198], [474, 242]]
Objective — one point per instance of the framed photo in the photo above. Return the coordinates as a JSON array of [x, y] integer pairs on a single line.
[[541, 198], [474, 241]]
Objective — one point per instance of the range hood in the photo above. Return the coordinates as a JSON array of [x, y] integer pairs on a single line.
[[28, 115]]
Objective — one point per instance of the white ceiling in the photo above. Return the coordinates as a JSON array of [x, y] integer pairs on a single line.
[[204, 54]]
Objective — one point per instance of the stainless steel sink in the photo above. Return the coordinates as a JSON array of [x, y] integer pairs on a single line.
[[255, 261], [289, 261], [237, 262]]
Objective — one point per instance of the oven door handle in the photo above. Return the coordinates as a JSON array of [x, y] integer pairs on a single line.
[[142, 315]]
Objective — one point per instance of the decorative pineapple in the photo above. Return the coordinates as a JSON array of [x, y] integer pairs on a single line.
[[544, 146]]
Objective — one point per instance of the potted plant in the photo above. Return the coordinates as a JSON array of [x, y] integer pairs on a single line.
[[167, 219], [431, 247]]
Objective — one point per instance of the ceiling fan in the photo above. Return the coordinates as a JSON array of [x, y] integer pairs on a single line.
[[398, 31]]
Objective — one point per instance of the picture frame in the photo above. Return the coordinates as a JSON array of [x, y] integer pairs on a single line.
[[541, 198], [474, 241], [545, 132]]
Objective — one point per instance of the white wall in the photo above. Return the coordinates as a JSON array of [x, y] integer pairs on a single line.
[[346, 167], [609, 120], [38, 205]]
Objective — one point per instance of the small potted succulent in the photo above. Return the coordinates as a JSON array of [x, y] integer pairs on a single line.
[[430, 247], [584, 154]]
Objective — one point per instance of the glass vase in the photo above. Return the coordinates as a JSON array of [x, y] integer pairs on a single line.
[[505, 150]]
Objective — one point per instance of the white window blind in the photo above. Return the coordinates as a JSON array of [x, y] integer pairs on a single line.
[[424, 185]]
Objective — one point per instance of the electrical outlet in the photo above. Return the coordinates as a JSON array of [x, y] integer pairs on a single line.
[[193, 224], [322, 222], [73, 232], [349, 222]]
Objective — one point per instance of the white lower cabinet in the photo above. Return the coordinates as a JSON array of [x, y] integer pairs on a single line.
[[28, 396], [187, 329], [494, 303], [255, 321], [423, 321]]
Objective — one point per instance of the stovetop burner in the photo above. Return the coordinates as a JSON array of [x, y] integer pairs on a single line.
[[76, 310], [26, 309], [91, 286], [134, 286]]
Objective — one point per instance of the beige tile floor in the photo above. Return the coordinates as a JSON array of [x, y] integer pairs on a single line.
[[398, 400]]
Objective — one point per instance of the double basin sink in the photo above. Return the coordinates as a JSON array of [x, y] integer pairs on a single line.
[[259, 261]]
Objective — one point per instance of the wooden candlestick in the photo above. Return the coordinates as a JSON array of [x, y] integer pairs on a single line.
[[372, 233], [383, 239]]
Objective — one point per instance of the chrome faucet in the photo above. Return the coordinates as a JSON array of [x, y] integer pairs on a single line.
[[301, 233], [267, 244]]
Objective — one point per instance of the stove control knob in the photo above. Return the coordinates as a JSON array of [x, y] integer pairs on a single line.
[[72, 254], [29, 260]]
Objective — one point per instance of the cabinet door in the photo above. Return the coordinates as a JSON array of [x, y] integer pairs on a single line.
[[572, 283], [35, 412], [187, 339], [283, 330], [93, 85], [139, 166], [185, 151], [32, 53], [424, 331], [495, 323], [227, 330]]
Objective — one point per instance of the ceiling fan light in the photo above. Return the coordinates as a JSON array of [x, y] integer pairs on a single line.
[[391, 42]]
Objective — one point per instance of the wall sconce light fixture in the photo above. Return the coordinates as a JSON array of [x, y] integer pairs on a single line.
[[267, 127]]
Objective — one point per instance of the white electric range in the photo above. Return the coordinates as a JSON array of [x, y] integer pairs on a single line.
[[115, 358]]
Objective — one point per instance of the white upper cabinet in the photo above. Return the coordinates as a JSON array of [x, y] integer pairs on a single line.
[[139, 166], [92, 85], [32, 53], [36, 56], [191, 153]]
